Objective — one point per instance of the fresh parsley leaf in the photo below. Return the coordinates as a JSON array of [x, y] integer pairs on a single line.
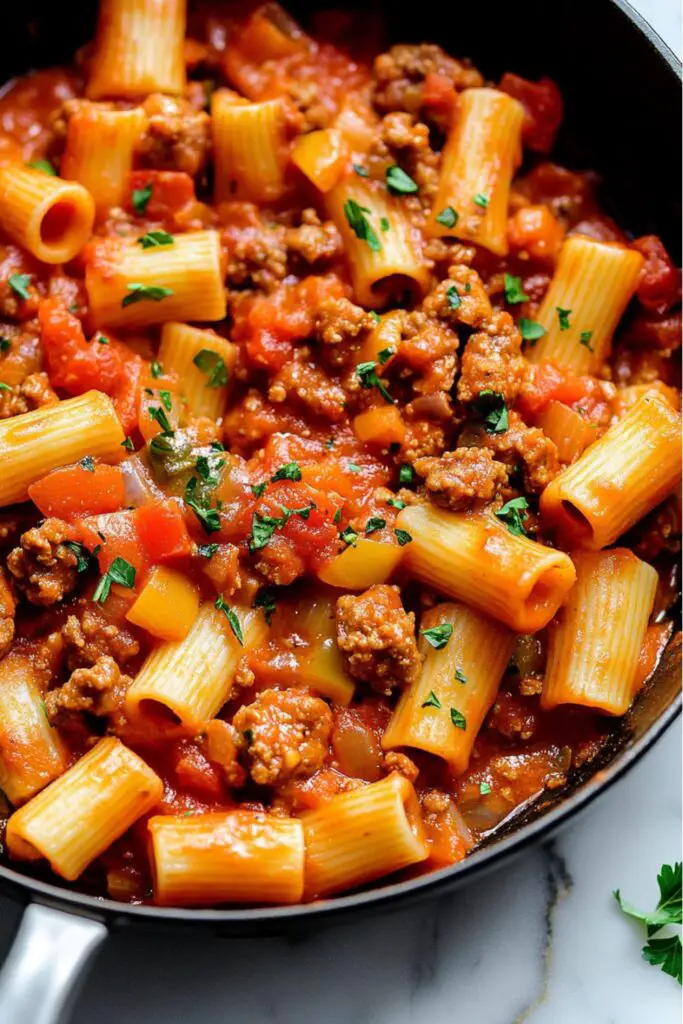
[[231, 616], [432, 701], [5, 387], [262, 529], [141, 197], [120, 571], [563, 318], [102, 339], [214, 366], [266, 599], [385, 355], [360, 171], [144, 292], [514, 292], [360, 225], [87, 464], [291, 471], [258, 489], [484, 788], [492, 408], [208, 468], [5, 344], [374, 524], [482, 200], [207, 550], [375, 316], [157, 413], [165, 397], [406, 475], [400, 183], [367, 375], [666, 953], [396, 503], [530, 330], [43, 165], [438, 636], [155, 239], [585, 340], [458, 719], [128, 444], [156, 369], [403, 537], [82, 555], [448, 217], [20, 283], [460, 677], [669, 905], [384, 224], [208, 517], [353, 467], [349, 536], [454, 299], [336, 518], [512, 514]]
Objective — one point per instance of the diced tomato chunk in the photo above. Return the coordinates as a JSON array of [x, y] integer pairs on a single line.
[[543, 109], [73, 363], [439, 94], [73, 491], [127, 394], [114, 536], [659, 280], [548, 383], [163, 531], [171, 192]]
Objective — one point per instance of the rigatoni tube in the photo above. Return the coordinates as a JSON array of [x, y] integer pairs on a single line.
[[481, 154], [619, 478], [233, 857], [475, 559], [250, 148], [362, 835], [129, 285], [80, 815], [100, 146], [139, 49], [383, 248], [591, 287], [594, 644], [35, 442], [31, 751], [443, 711], [192, 678], [50, 217], [202, 361]]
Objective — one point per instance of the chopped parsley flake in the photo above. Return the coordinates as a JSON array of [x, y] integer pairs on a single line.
[[367, 375], [454, 299], [43, 165], [207, 550], [406, 475], [360, 225], [448, 217], [5, 387], [563, 318], [512, 514], [460, 677], [349, 536], [374, 524], [385, 355], [213, 365], [157, 413], [156, 370], [482, 200], [128, 444], [208, 517], [360, 170], [259, 489], [432, 701], [484, 788], [400, 183], [292, 471], [144, 292], [438, 636], [403, 537], [5, 344], [396, 503], [514, 292], [141, 197], [585, 340], [82, 555], [87, 464], [20, 283], [530, 330], [492, 408], [458, 719], [120, 571], [155, 239], [231, 616], [384, 224]]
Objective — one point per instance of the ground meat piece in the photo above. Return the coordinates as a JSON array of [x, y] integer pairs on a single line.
[[254, 249], [460, 299], [429, 347], [33, 392], [91, 637], [177, 137], [492, 360], [250, 422], [401, 763], [284, 735], [463, 478], [400, 74], [100, 690], [43, 567], [423, 438], [538, 454], [339, 320], [376, 635], [406, 142], [7, 610], [442, 252], [310, 386], [313, 242]]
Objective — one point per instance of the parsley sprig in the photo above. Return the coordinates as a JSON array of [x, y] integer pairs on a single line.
[[120, 571], [667, 951], [367, 375], [213, 366], [360, 225]]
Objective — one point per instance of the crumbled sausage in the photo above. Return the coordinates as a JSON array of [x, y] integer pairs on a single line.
[[459, 299], [43, 567], [177, 136], [33, 393], [7, 610], [463, 478], [376, 635], [406, 142], [429, 347], [394, 761], [339, 321], [91, 637], [492, 360], [100, 690], [313, 242], [400, 74], [284, 735], [309, 385], [538, 454], [423, 437], [254, 249]]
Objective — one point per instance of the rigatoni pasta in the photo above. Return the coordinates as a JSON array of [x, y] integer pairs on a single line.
[[591, 287], [620, 477], [203, 362], [50, 217], [81, 814], [250, 148], [594, 645]]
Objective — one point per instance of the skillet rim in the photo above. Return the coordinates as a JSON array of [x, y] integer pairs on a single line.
[[14, 884]]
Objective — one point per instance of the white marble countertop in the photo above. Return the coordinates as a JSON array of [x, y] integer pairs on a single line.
[[540, 942]]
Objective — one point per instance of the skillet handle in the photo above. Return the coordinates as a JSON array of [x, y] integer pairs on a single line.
[[46, 965]]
